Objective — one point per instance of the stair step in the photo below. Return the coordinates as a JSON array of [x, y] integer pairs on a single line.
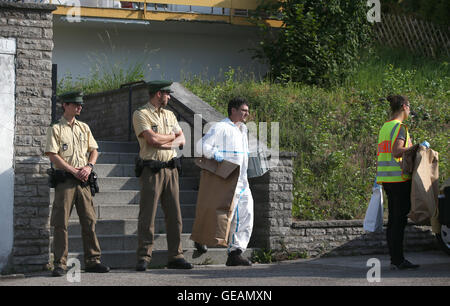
[[118, 183], [125, 242], [115, 170], [125, 226], [127, 170], [127, 259], [116, 146], [132, 183], [131, 211], [116, 158], [130, 197]]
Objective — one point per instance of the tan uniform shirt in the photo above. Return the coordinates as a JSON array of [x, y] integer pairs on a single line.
[[72, 143], [160, 121]]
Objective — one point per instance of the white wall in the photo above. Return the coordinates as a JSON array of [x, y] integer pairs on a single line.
[[169, 50], [7, 107]]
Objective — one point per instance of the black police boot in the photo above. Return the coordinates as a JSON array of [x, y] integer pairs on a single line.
[[235, 259], [404, 265], [97, 268], [141, 266], [179, 263], [58, 271], [201, 248]]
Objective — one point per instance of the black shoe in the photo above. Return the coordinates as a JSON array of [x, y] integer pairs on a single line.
[[235, 259], [404, 265], [97, 268], [201, 248], [58, 271], [141, 266], [179, 263]]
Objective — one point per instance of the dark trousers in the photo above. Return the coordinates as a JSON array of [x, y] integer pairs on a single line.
[[399, 205]]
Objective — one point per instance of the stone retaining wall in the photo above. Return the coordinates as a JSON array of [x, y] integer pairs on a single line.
[[272, 196], [349, 238]]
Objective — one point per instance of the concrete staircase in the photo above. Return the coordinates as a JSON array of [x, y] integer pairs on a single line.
[[117, 207]]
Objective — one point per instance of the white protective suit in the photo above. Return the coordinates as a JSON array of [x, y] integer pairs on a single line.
[[230, 140]]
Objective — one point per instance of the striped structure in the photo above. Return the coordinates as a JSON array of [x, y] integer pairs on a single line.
[[421, 37]]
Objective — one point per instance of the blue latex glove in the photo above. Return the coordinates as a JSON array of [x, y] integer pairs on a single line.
[[375, 185], [425, 144], [218, 156]]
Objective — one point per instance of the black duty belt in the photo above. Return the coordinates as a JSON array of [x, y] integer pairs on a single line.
[[57, 176], [156, 165]]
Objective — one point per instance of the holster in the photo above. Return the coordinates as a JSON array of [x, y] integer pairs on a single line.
[[179, 165], [93, 183], [138, 167], [55, 177]]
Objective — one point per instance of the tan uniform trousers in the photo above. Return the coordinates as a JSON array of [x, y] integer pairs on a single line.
[[154, 186], [67, 195]]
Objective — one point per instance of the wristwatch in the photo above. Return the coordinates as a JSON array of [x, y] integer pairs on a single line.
[[91, 165]]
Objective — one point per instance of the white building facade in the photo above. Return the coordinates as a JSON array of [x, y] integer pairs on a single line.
[[169, 49]]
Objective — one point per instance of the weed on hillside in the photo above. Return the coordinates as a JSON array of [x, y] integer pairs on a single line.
[[334, 130]]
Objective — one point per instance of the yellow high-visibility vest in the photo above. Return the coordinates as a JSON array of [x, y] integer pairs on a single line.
[[388, 167]]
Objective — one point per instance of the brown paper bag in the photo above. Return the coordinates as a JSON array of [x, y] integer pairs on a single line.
[[425, 189], [214, 202]]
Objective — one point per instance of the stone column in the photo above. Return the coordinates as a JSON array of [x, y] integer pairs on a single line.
[[272, 195], [30, 25]]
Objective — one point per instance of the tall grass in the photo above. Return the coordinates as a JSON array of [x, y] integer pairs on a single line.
[[105, 74], [423, 73], [102, 78], [334, 131]]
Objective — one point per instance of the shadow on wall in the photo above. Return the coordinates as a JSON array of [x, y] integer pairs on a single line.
[[342, 238], [6, 216]]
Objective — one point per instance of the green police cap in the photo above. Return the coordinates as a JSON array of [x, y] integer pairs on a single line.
[[72, 97], [155, 86]]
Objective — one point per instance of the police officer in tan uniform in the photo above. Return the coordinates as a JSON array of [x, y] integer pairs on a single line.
[[68, 142], [158, 134]]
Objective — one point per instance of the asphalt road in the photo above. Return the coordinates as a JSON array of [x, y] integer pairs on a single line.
[[325, 271]]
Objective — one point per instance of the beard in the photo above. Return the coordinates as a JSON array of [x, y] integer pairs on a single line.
[[163, 102]]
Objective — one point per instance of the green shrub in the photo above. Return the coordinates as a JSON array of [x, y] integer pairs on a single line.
[[319, 42], [334, 131], [436, 11]]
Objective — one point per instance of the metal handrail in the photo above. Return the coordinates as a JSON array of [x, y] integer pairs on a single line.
[[130, 104]]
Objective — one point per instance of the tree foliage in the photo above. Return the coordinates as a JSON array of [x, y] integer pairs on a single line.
[[319, 41], [436, 11]]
